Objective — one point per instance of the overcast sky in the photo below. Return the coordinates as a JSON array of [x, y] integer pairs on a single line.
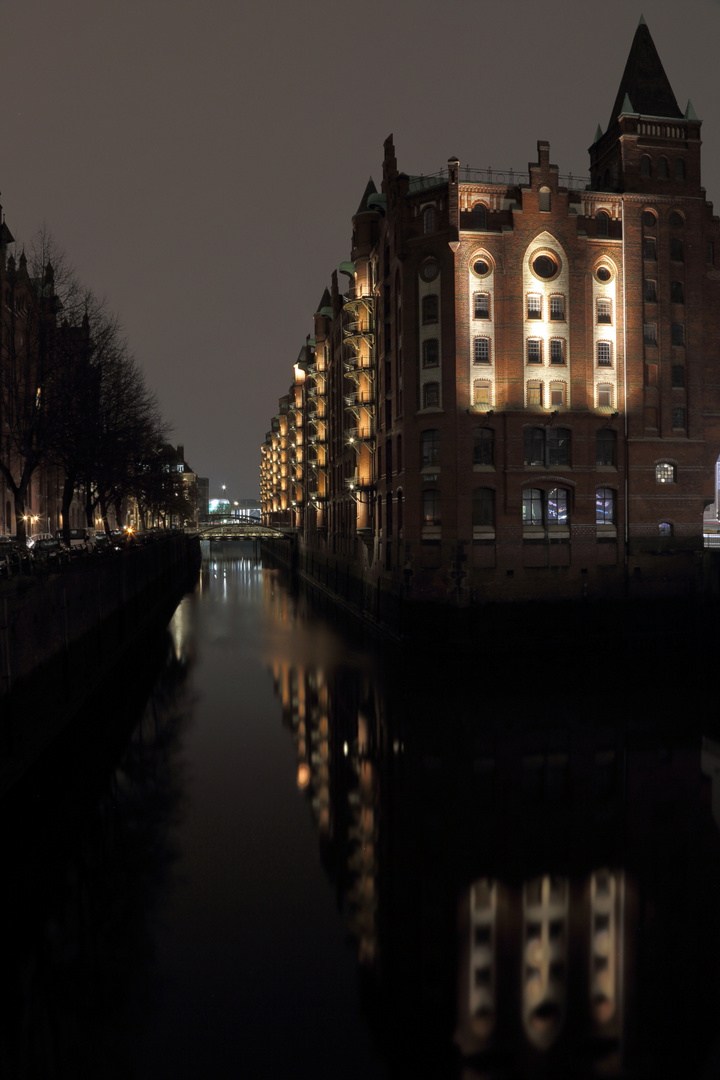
[[200, 160]]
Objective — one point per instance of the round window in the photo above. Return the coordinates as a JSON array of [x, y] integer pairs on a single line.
[[676, 220], [603, 273], [648, 219], [481, 267], [545, 267], [430, 270]]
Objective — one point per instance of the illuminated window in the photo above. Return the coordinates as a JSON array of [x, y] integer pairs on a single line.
[[604, 310], [557, 351], [604, 392], [534, 306], [665, 528], [481, 305], [430, 308], [545, 507], [665, 473], [430, 352], [604, 354], [534, 351], [534, 393], [483, 507], [484, 446], [604, 506], [430, 447], [605, 447], [557, 308], [431, 395], [481, 350]]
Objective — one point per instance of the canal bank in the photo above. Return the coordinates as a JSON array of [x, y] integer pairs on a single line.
[[63, 633], [653, 614]]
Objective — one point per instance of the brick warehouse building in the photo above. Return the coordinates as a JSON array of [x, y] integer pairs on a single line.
[[517, 395]]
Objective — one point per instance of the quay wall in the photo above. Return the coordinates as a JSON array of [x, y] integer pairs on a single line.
[[667, 598], [62, 632]]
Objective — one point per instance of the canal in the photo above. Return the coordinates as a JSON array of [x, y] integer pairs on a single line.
[[276, 849]]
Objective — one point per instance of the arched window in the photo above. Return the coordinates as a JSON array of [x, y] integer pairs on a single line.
[[399, 511], [604, 354], [481, 305], [545, 507], [665, 528], [430, 447], [399, 454], [605, 447], [603, 223], [481, 394], [481, 350], [431, 352], [679, 169], [431, 506], [604, 395], [484, 446], [605, 506], [430, 308], [663, 168], [431, 395], [388, 514], [429, 219], [664, 473], [479, 211], [645, 166], [483, 507], [544, 203]]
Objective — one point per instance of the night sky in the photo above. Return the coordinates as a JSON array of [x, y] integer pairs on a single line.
[[199, 162]]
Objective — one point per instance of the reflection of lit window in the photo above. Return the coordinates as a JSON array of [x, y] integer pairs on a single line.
[[605, 506], [545, 507], [431, 507], [665, 528]]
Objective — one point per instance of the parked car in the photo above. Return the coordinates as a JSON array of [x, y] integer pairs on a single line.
[[50, 552], [81, 540]]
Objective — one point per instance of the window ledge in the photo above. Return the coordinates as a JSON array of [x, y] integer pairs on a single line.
[[606, 530], [430, 532], [606, 468], [483, 532], [483, 468]]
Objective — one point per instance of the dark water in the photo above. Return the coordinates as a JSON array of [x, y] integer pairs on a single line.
[[293, 854]]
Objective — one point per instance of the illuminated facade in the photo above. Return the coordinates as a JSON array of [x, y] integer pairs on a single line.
[[516, 394]]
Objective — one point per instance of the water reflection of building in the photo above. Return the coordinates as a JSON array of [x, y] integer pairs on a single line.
[[528, 889]]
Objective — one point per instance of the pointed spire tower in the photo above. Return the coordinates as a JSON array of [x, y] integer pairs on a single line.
[[649, 141]]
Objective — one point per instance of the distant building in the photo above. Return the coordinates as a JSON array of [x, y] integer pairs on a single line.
[[517, 393]]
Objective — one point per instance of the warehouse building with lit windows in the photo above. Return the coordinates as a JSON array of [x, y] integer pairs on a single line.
[[511, 390]]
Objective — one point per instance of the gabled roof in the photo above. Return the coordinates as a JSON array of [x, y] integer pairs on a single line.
[[644, 81]]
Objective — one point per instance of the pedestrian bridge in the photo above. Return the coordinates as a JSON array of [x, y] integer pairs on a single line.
[[227, 532]]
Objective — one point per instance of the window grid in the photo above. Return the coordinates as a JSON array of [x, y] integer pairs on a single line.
[[481, 305], [557, 351], [534, 351], [481, 350], [604, 310], [557, 309], [605, 506], [604, 354], [534, 306]]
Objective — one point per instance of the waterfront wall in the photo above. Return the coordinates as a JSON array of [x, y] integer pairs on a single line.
[[665, 596], [61, 633]]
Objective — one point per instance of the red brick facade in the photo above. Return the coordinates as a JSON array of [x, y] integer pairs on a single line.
[[518, 394]]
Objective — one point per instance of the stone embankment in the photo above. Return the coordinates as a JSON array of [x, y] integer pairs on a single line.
[[63, 632]]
